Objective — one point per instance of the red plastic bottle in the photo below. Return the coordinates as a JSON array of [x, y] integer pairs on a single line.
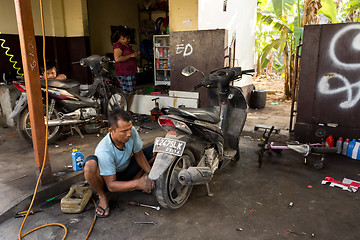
[[330, 141]]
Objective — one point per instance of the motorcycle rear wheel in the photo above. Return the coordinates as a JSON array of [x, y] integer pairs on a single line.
[[24, 127], [117, 99], [169, 192]]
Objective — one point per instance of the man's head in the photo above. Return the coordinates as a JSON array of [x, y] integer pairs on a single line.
[[50, 70], [120, 125]]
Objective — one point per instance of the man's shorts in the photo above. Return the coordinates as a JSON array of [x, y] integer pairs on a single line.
[[133, 168], [127, 83]]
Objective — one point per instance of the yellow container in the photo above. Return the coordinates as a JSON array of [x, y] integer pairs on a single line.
[[75, 201]]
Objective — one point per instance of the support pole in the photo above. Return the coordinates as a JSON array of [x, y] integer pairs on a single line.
[[33, 87]]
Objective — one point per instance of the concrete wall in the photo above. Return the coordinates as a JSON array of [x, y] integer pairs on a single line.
[[63, 18], [240, 21], [66, 30], [183, 15], [103, 14]]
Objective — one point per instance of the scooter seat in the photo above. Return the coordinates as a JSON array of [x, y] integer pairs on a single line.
[[64, 84], [208, 114]]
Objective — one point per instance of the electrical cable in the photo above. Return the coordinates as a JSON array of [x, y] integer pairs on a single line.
[[10, 57], [46, 152]]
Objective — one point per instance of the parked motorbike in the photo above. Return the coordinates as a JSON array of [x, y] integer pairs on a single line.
[[66, 106], [200, 140]]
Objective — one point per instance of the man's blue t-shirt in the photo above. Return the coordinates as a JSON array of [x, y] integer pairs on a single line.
[[111, 159]]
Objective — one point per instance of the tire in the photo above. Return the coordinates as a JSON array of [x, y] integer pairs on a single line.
[[24, 127], [318, 164], [323, 149], [117, 99], [169, 192]]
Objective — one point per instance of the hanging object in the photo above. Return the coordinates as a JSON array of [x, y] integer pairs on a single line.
[[147, 4], [224, 5], [10, 57]]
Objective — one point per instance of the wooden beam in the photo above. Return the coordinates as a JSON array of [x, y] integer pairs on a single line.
[[33, 86]]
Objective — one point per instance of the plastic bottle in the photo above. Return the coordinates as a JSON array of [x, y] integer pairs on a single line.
[[351, 148], [356, 150], [345, 146], [77, 160], [339, 145], [157, 64], [330, 141]]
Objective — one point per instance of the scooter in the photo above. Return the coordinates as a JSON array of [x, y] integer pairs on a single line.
[[66, 106], [199, 140]]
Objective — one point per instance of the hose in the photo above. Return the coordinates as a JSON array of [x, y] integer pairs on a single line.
[[46, 152], [10, 57]]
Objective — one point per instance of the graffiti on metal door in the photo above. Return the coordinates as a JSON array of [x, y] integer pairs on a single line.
[[349, 87]]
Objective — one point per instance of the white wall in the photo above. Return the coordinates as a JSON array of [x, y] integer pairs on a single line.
[[239, 19]]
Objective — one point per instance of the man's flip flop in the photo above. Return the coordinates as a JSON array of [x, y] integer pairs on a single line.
[[102, 215]]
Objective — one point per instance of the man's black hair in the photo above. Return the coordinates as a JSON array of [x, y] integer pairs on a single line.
[[49, 65], [116, 115]]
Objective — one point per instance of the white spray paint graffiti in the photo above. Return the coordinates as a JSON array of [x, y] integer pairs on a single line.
[[352, 99], [355, 44], [324, 87], [187, 50]]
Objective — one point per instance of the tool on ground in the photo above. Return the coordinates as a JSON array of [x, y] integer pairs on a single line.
[[302, 233], [143, 205], [23, 213], [136, 222]]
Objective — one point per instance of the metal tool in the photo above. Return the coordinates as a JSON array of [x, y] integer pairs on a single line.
[[303, 233], [143, 205], [23, 213], [144, 222]]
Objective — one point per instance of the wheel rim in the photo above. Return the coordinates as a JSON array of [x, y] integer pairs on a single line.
[[178, 193], [52, 130], [117, 100]]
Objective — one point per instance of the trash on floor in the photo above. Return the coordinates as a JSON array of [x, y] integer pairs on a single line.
[[346, 184], [142, 222]]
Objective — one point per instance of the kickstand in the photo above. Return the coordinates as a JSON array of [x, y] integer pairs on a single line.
[[210, 194], [77, 129]]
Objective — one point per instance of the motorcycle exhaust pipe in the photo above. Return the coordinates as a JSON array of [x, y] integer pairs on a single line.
[[54, 123], [195, 176]]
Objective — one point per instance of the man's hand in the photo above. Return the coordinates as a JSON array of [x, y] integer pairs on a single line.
[[145, 184]]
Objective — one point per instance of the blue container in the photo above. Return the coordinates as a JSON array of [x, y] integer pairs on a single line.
[[351, 148], [77, 160]]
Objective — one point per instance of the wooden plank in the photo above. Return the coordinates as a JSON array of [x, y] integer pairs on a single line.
[[33, 86]]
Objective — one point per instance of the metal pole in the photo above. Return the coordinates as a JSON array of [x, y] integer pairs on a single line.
[[33, 86]]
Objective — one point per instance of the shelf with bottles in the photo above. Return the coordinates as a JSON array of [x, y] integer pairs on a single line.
[[161, 60]]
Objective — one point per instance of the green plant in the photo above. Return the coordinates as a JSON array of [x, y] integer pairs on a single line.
[[284, 18]]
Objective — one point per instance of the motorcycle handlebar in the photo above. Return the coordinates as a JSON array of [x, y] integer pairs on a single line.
[[248, 71]]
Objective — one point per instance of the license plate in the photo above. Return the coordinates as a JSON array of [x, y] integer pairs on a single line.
[[169, 145]]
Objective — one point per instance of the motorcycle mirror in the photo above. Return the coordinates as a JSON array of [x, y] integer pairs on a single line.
[[188, 71]]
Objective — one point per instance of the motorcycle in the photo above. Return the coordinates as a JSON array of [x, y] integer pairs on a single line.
[[199, 140], [67, 107]]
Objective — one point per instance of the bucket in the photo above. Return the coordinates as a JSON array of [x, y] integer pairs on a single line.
[[258, 99]]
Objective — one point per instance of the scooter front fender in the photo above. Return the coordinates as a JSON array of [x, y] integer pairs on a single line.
[[161, 163], [20, 105]]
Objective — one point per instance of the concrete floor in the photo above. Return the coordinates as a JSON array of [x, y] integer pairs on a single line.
[[248, 202]]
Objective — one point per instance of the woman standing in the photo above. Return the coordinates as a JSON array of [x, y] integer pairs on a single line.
[[125, 62]]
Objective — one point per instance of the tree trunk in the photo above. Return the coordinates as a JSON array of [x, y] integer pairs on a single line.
[[311, 8], [287, 89]]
